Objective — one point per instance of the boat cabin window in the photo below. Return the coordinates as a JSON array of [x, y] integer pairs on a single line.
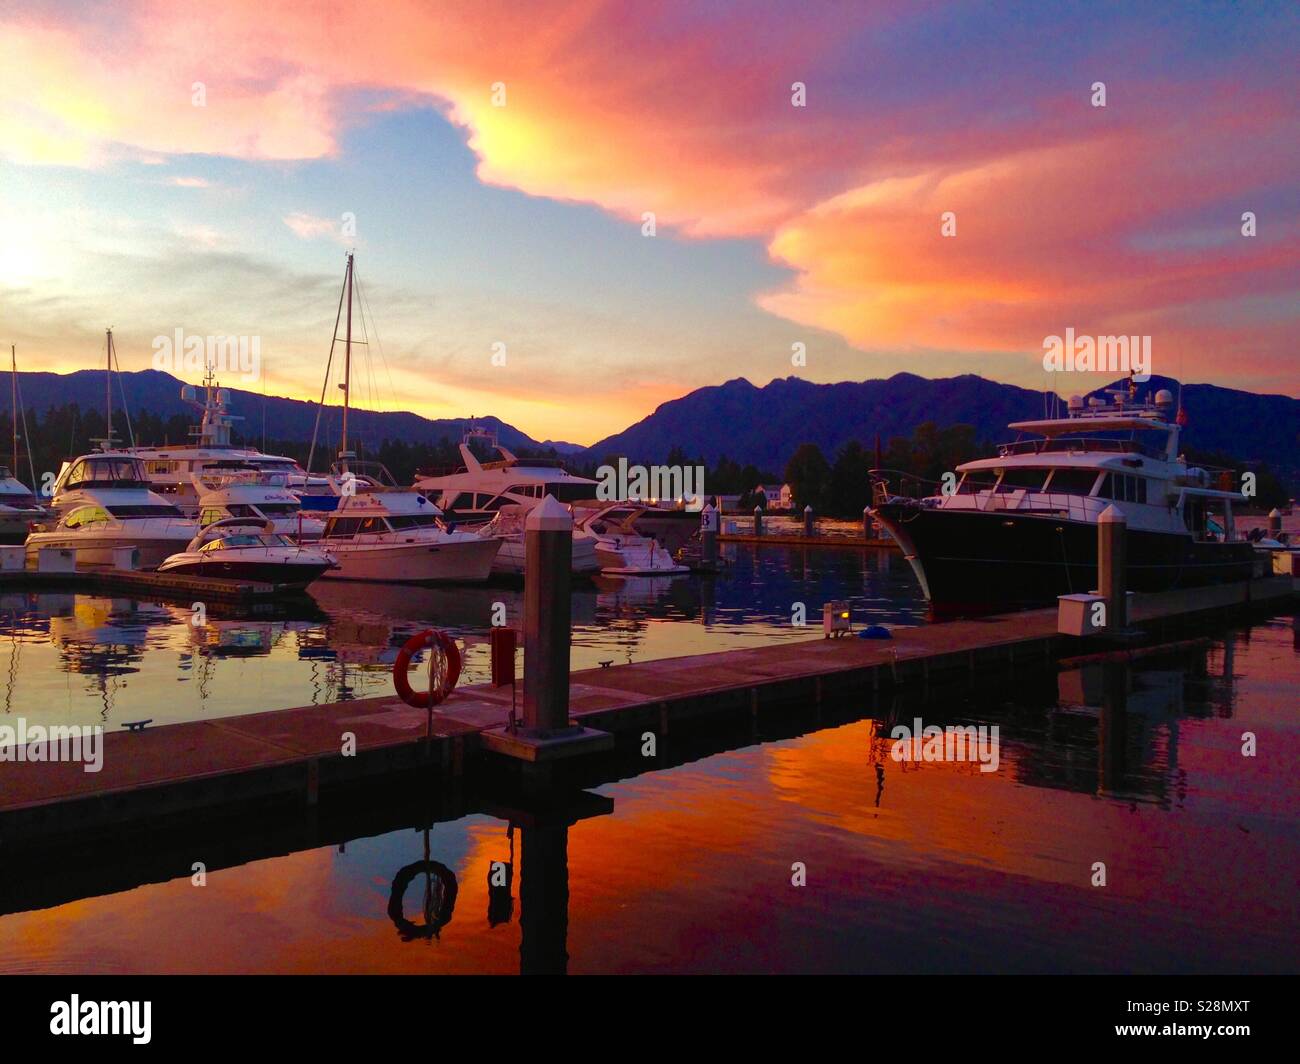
[[1124, 487], [370, 525], [463, 501], [413, 521], [212, 513], [241, 509], [1073, 481], [1014, 478], [570, 492], [342, 527], [1208, 519], [85, 515], [279, 509], [145, 510], [970, 484], [104, 471], [21, 499]]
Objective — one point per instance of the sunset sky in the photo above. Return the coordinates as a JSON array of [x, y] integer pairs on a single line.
[[177, 165]]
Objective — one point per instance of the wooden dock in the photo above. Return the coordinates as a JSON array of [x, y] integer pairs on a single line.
[[181, 770], [142, 582]]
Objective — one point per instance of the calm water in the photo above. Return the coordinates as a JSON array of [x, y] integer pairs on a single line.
[[936, 867], [84, 659]]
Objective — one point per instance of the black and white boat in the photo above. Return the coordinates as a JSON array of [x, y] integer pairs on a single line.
[[240, 548], [1015, 531]]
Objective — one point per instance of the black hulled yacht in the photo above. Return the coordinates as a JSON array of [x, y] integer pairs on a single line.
[[1018, 530]]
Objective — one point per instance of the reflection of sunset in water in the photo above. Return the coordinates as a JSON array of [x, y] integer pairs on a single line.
[[932, 867]]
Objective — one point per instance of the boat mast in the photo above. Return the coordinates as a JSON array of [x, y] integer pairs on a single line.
[[108, 393], [347, 373], [13, 377]]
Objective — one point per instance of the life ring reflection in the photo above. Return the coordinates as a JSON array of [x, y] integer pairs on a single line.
[[439, 899]]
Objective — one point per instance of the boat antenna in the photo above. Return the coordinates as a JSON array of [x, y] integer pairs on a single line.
[[329, 362]]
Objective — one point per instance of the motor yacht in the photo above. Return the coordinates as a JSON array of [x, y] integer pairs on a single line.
[[242, 548], [236, 489], [620, 548], [508, 526], [103, 502], [1017, 530], [397, 536]]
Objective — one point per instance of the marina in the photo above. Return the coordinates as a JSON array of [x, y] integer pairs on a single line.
[[781, 492]]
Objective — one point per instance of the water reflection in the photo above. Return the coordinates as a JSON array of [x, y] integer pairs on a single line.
[[171, 662], [671, 862]]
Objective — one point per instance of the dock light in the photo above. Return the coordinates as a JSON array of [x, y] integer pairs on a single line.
[[836, 620]]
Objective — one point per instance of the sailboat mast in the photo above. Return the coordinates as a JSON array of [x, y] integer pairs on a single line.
[[347, 366], [13, 377], [108, 391]]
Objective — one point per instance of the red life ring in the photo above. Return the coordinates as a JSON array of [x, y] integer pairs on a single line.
[[402, 682]]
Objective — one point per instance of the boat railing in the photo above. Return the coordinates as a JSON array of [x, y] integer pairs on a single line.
[[889, 484], [1074, 445]]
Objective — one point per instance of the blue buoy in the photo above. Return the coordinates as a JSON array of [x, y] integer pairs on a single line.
[[875, 631]]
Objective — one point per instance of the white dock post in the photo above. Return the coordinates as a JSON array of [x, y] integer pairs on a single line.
[[808, 520], [758, 520]]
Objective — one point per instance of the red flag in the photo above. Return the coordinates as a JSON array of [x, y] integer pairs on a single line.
[[1182, 417]]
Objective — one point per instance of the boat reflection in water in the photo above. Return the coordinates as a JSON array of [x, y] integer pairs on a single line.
[[917, 867]]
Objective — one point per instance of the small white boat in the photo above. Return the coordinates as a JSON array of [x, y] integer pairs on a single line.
[[622, 551], [238, 548], [397, 537]]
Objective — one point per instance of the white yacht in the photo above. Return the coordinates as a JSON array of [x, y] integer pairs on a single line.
[[474, 494], [19, 508], [1017, 530], [620, 549], [240, 548], [237, 489], [397, 536], [103, 502]]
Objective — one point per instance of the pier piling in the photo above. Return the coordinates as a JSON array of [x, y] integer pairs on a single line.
[[758, 520], [548, 545], [1112, 531], [709, 536], [809, 522]]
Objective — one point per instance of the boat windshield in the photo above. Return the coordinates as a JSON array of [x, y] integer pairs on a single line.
[[401, 521], [246, 539]]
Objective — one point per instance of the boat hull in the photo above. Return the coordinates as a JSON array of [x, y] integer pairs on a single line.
[[972, 562], [467, 560], [279, 573], [512, 559]]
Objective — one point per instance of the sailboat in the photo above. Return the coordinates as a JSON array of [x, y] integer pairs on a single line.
[[381, 532], [19, 506]]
